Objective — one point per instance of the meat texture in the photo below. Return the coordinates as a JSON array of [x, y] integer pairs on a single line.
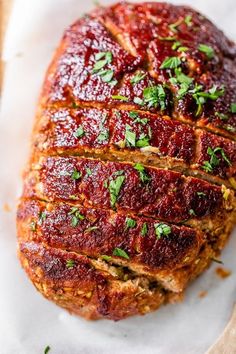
[[129, 191]]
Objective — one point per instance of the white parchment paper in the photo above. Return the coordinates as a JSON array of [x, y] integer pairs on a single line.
[[28, 323]]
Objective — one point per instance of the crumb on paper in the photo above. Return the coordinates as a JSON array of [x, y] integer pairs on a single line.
[[202, 293], [223, 273], [6, 207]]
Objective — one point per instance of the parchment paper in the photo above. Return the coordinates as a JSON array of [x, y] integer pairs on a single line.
[[28, 323]]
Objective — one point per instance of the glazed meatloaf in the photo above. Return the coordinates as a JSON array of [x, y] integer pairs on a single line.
[[129, 191]]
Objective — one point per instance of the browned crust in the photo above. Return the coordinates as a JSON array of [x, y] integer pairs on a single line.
[[178, 138]]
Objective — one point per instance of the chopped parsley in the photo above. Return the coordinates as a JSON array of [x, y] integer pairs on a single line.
[[143, 141], [154, 96], [206, 49], [42, 217], [221, 116], [192, 212], [167, 38], [188, 20], [201, 96], [103, 136], [114, 189], [208, 166], [102, 59], [70, 263], [106, 258], [233, 107], [144, 229], [46, 350], [178, 46], [201, 194], [88, 171], [130, 137], [138, 101], [138, 77], [170, 63], [130, 223], [76, 175], [162, 229], [173, 26], [119, 97], [92, 228], [120, 253], [137, 119], [76, 216], [79, 132], [142, 173], [183, 80]]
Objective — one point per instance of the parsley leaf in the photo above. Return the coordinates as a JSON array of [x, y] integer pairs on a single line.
[[233, 107], [119, 97], [70, 263], [138, 77], [114, 189], [142, 174], [144, 229], [91, 228], [188, 20], [76, 174], [79, 132], [209, 51], [162, 229], [103, 136], [46, 350], [120, 253], [130, 223], [42, 217], [170, 63], [130, 137], [106, 258], [173, 26], [76, 216], [208, 166], [154, 96]]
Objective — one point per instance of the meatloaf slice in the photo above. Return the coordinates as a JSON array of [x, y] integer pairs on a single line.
[[129, 193]]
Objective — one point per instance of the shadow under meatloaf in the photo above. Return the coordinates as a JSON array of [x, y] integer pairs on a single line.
[[128, 194]]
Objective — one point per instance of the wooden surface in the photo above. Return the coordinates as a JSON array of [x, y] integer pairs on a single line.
[[226, 344]]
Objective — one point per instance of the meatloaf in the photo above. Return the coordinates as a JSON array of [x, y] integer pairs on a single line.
[[129, 190]]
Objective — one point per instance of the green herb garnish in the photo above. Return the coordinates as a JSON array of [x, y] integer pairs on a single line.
[[192, 212], [42, 217], [209, 51], [188, 20], [91, 228], [170, 63], [173, 26], [208, 166], [106, 258], [79, 132], [103, 136], [70, 263], [46, 350], [144, 229], [76, 216], [114, 189], [233, 107], [130, 223], [76, 175], [162, 229], [154, 96], [119, 97], [138, 77], [120, 253], [142, 173], [201, 194]]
